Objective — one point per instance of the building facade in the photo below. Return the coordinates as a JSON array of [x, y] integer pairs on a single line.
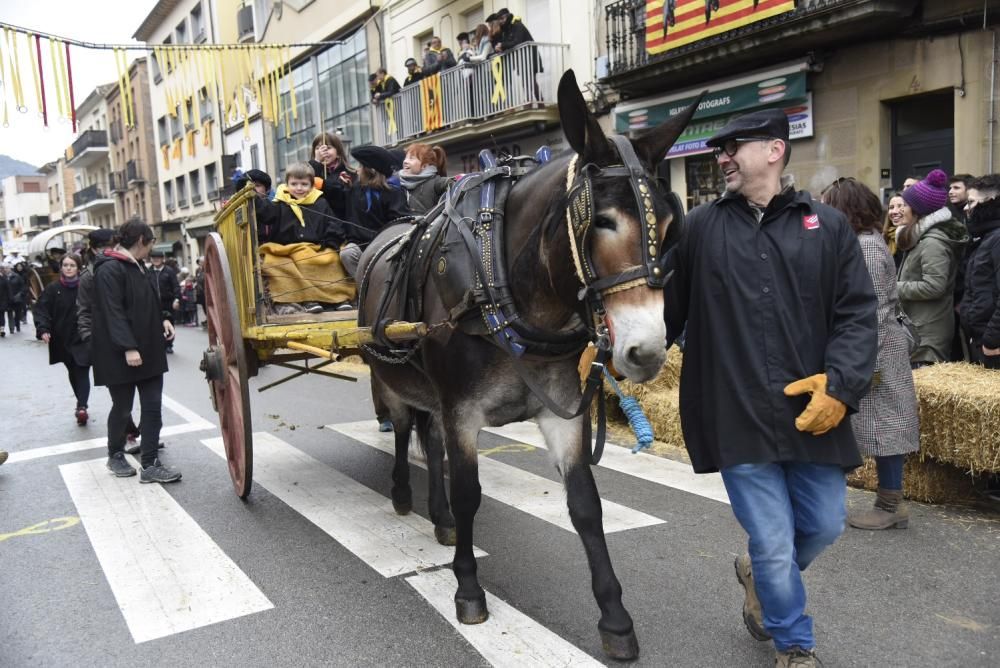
[[60, 186], [191, 169], [133, 181], [878, 90], [25, 204], [88, 156]]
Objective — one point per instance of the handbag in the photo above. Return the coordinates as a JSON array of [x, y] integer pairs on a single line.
[[909, 329]]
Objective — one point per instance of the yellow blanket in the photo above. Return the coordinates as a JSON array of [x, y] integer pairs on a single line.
[[305, 273]]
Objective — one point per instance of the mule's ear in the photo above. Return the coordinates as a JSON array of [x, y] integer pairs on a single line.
[[653, 145], [581, 128]]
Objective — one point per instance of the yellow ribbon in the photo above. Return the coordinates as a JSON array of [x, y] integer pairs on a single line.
[[121, 85], [35, 66], [15, 69], [206, 133], [291, 85], [499, 93], [178, 148], [282, 195], [390, 111], [190, 142], [3, 70], [165, 149]]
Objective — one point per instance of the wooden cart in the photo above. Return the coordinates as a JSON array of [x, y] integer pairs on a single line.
[[243, 334]]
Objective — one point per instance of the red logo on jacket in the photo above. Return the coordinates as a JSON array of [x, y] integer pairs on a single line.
[[811, 222]]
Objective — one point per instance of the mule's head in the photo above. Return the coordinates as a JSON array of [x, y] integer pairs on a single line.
[[621, 224]]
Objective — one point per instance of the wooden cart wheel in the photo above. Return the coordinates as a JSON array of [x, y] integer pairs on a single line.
[[225, 366], [35, 284]]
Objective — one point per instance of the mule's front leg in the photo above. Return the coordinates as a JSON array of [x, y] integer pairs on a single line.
[[564, 439], [466, 495]]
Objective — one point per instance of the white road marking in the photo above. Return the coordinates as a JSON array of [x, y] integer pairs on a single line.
[[508, 637], [641, 465], [357, 517], [527, 492], [166, 573], [194, 423]]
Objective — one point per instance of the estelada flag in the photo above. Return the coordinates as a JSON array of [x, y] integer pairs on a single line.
[[674, 23], [431, 103]]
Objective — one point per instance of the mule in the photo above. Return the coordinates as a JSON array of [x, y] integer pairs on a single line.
[[456, 383]]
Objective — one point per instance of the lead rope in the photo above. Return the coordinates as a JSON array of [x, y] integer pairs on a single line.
[[637, 419]]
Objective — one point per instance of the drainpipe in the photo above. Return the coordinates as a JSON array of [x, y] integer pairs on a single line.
[[993, 103]]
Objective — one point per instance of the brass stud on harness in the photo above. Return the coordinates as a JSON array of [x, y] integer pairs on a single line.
[[442, 265]]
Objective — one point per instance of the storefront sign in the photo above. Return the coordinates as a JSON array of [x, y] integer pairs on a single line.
[[800, 125], [674, 23], [770, 91]]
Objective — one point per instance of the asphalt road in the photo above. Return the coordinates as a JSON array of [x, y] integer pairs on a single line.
[[91, 566]]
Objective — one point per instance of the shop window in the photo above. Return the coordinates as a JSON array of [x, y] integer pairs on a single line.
[[705, 182]]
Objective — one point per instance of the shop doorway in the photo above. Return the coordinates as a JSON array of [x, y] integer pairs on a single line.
[[923, 136], [705, 182]]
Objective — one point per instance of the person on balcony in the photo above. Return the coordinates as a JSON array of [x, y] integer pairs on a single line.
[[514, 33], [482, 47], [438, 58], [414, 73], [385, 85]]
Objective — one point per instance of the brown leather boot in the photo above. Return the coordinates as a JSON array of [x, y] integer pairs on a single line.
[[753, 616], [889, 512]]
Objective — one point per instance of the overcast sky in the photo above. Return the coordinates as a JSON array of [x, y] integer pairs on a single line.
[[102, 21]]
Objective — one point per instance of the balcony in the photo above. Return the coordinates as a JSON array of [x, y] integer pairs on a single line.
[[116, 181], [91, 198], [182, 202], [475, 99], [244, 24], [89, 148], [642, 59], [132, 173]]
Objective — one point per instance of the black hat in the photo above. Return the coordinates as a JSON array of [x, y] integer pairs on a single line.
[[374, 157], [255, 176], [462, 37], [156, 252], [768, 123], [100, 237], [489, 19], [502, 12], [410, 61], [398, 155], [372, 77]]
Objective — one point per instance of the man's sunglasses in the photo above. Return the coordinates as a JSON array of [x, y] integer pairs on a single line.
[[731, 146]]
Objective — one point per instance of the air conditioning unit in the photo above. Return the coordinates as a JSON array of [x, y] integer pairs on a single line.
[[244, 23]]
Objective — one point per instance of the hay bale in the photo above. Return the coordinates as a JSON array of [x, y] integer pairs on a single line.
[[923, 480], [960, 415], [662, 407]]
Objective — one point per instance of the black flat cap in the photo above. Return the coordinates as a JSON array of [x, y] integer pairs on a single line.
[[101, 237], [410, 61], [398, 155], [462, 37], [372, 77], [374, 157], [502, 12], [490, 18], [766, 123]]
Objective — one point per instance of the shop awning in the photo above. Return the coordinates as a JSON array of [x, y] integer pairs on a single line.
[[165, 248]]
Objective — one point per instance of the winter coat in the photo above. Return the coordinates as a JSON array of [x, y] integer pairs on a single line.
[[18, 286], [368, 211], [55, 315], [126, 316], [765, 304], [167, 288], [886, 422], [5, 302], [927, 281], [980, 310], [85, 301], [328, 180], [423, 192], [276, 222]]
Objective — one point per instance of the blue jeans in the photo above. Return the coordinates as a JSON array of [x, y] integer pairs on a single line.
[[791, 511]]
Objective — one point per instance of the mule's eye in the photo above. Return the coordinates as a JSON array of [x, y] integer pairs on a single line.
[[604, 222]]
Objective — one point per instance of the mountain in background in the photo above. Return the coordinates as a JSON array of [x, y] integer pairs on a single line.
[[9, 167]]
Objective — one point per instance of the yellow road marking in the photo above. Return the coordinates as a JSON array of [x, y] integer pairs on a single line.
[[55, 524], [510, 447]]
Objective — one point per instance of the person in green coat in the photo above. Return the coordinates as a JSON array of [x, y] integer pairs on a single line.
[[933, 243]]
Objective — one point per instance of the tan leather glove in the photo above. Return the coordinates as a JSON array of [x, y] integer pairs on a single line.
[[823, 412]]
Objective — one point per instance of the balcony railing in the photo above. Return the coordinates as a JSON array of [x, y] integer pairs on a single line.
[[132, 172], [90, 139], [182, 202], [116, 182], [524, 77], [88, 194]]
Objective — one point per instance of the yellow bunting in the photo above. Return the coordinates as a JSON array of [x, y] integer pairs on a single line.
[[165, 150], [390, 111], [35, 71], [6, 117], [15, 68], [498, 90], [60, 104], [190, 142], [64, 80], [178, 149], [122, 82], [291, 85], [206, 133]]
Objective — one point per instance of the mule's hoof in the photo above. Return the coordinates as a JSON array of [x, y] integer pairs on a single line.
[[402, 500], [402, 507], [620, 647], [471, 611], [445, 535]]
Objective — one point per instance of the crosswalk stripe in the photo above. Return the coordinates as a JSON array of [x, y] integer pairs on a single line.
[[641, 465], [360, 519], [527, 492], [165, 572], [193, 422], [508, 637]]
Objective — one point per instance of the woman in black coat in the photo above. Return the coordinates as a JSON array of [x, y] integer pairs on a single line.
[[55, 324], [129, 343]]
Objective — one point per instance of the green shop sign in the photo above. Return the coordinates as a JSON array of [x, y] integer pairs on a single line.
[[771, 92]]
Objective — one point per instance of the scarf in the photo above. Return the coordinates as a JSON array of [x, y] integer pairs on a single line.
[[411, 181], [69, 283], [907, 236], [282, 195]]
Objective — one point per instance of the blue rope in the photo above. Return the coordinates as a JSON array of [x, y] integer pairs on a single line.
[[641, 427]]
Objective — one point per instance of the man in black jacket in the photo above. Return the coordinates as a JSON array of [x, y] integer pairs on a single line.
[[980, 309], [167, 287], [780, 344]]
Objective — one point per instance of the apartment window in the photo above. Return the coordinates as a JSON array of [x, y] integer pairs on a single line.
[[175, 125], [194, 180], [197, 25], [180, 33], [161, 130], [205, 111], [155, 64], [168, 194], [343, 100], [210, 181], [254, 157], [167, 42], [189, 107], [182, 200]]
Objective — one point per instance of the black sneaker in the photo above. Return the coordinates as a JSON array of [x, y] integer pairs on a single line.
[[133, 447], [158, 473], [118, 466]]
